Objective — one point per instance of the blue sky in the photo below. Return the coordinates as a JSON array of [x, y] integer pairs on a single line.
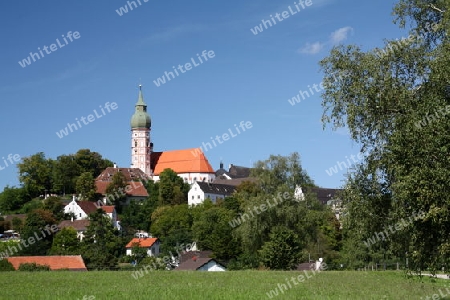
[[250, 78]]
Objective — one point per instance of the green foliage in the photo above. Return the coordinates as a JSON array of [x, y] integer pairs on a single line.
[[38, 222], [282, 250], [138, 253], [117, 188], [156, 263], [137, 215], [244, 261], [35, 174], [31, 205], [66, 242], [395, 104], [5, 265], [17, 224], [12, 199], [213, 232], [33, 267], [101, 245], [64, 174], [172, 224], [39, 174], [172, 189], [91, 162], [55, 205], [9, 248], [85, 186]]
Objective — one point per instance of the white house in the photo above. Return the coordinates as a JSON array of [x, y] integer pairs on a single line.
[[202, 190], [82, 209], [151, 244], [200, 264]]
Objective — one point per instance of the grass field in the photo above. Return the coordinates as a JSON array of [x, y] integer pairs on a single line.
[[216, 285]]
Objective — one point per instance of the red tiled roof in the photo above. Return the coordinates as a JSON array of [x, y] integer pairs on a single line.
[[131, 174], [87, 206], [181, 161], [79, 225], [74, 262], [143, 242], [109, 209], [137, 188]]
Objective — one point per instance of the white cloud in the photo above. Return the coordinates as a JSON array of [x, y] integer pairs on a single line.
[[340, 35], [336, 37], [311, 48]]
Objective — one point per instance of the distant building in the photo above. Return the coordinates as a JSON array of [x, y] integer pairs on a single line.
[[63, 262], [82, 209], [200, 264], [203, 190], [135, 184], [234, 172], [150, 244], [79, 225], [190, 164]]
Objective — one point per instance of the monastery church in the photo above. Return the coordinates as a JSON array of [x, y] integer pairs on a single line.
[[190, 164]]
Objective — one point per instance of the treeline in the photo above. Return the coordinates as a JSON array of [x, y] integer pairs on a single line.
[[263, 225], [38, 175]]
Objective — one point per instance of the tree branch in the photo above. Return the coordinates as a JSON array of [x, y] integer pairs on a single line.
[[438, 9]]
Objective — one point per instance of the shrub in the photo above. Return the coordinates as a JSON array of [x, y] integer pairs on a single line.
[[33, 267], [5, 265]]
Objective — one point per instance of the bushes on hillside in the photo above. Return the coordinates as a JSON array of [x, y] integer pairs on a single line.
[[5, 265], [33, 267]]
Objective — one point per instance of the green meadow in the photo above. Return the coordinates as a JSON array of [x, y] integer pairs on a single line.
[[216, 285]]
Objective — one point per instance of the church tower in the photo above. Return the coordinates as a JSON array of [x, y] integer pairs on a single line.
[[141, 147]]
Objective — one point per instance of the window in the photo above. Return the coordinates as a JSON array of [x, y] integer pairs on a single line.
[[192, 197], [198, 197]]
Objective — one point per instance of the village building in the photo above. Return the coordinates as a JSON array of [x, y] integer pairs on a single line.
[[150, 244], [81, 210], [200, 191]]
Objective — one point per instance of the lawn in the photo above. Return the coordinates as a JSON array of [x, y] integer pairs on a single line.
[[216, 285]]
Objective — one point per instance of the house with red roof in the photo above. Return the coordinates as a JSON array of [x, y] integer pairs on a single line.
[[63, 262], [151, 244], [135, 184]]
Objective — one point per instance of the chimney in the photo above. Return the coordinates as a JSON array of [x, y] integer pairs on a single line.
[[115, 166], [221, 165]]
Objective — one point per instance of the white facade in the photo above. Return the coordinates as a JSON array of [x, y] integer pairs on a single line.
[[74, 208], [212, 266], [197, 196], [151, 251], [141, 149], [192, 177], [80, 214]]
